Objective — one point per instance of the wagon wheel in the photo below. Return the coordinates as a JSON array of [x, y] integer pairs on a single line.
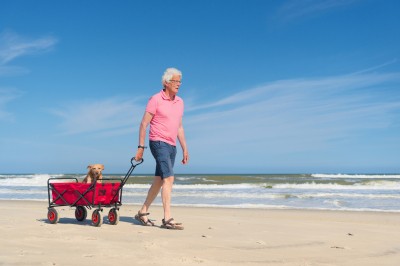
[[96, 218], [113, 216], [52, 215], [80, 213]]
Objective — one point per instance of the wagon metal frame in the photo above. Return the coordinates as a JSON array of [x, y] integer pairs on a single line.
[[107, 194]]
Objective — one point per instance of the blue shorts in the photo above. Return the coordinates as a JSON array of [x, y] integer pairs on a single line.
[[164, 154]]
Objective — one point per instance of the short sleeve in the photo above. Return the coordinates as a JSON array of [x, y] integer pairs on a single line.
[[152, 105]]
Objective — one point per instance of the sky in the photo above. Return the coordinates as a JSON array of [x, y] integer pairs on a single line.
[[287, 86]]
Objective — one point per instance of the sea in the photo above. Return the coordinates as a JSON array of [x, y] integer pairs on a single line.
[[346, 192]]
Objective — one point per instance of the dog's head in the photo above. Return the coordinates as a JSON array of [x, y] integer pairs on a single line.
[[95, 170]]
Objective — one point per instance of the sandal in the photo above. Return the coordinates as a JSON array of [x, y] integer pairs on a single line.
[[168, 225], [139, 217]]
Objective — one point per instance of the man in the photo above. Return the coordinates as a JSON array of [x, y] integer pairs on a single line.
[[164, 113]]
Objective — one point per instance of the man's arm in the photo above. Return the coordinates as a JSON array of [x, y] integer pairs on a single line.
[[182, 141], [142, 134]]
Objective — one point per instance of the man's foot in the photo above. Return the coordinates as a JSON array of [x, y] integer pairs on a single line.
[[141, 217], [170, 224]]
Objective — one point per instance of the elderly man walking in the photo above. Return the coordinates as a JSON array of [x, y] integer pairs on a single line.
[[164, 113]]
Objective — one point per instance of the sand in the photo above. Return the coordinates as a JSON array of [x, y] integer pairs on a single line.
[[211, 237]]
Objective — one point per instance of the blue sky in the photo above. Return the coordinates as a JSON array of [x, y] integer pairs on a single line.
[[269, 86]]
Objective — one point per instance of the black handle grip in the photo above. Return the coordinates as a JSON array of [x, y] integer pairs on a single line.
[[137, 162]]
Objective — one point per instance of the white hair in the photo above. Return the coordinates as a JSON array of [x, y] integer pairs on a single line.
[[169, 73]]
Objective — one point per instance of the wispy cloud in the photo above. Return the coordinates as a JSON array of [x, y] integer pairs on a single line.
[[6, 96], [13, 45], [294, 9], [102, 116], [375, 67], [320, 86], [297, 115]]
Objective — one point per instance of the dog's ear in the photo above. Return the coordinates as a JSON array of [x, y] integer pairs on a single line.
[[89, 166], [102, 166]]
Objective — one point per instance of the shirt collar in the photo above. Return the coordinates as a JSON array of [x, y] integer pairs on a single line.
[[165, 97]]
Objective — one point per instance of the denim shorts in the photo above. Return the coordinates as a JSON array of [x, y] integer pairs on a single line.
[[164, 154]]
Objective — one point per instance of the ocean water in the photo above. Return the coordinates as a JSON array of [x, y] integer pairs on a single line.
[[356, 192]]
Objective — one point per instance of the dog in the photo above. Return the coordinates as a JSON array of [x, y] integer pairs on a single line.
[[94, 174]]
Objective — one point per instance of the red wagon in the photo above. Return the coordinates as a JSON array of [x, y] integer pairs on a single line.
[[69, 192]]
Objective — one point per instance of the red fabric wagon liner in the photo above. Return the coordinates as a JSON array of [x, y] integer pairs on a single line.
[[80, 194]]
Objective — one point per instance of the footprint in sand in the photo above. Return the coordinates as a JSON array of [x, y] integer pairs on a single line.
[[338, 247]]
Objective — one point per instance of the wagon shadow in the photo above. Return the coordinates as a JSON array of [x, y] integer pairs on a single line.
[[68, 221], [75, 221], [127, 219], [88, 222]]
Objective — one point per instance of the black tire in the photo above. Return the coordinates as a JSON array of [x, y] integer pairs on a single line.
[[113, 216], [80, 213], [97, 218], [52, 216]]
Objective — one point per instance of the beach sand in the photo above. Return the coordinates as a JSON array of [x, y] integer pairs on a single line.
[[211, 237]]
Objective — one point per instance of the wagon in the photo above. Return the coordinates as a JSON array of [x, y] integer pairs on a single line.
[[64, 191]]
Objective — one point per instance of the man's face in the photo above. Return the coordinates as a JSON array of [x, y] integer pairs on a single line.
[[173, 85]]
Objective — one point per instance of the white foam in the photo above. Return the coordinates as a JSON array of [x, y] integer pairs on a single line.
[[348, 195], [381, 185], [28, 180], [335, 203], [201, 186], [23, 192], [213, 195], [383, 176], [25, 180]]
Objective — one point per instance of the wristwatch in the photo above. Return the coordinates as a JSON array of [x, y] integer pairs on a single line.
[[141, 147]]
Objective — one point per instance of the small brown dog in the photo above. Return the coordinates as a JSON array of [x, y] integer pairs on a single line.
[[94, 173]]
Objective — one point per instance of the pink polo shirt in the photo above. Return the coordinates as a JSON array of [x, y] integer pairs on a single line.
[[167, 117]]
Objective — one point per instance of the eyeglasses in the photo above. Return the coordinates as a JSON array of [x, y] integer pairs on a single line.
[[175, 81]]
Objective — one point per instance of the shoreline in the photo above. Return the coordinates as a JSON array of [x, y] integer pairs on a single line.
[[234, 207], [212, 236]]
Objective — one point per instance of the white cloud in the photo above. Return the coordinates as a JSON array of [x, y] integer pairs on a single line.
[[6, 96], [13, 46], [103, 116], [296, 9], [296, 115]]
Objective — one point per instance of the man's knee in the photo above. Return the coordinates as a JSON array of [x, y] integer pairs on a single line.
[[168, 180]]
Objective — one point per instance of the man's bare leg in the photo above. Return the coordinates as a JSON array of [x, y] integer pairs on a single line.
[[166, 196], [152, 194]]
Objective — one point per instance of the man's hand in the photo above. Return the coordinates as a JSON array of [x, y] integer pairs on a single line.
[[139, 154], [185, 159]]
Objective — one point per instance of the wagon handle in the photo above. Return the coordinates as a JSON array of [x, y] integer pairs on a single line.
[[133, 165], [137, 162]]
